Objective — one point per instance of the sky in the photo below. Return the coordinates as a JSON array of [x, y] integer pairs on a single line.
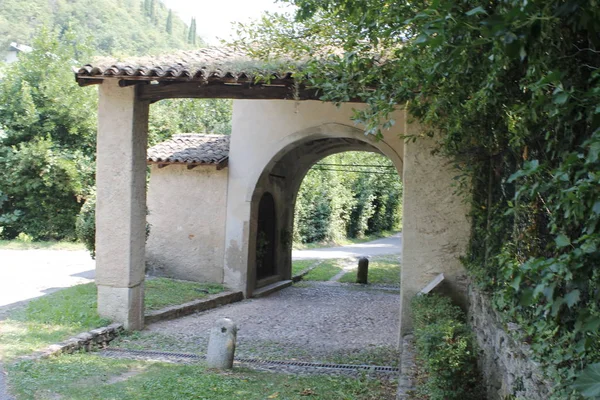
[[214, 17]]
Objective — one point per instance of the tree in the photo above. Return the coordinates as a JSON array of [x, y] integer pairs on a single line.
[[192, 32], [169, 27], [47, 149]]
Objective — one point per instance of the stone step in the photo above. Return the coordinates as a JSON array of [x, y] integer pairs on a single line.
[[272, 288]]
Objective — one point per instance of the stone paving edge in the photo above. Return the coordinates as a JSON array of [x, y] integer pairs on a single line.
[[181, 310]]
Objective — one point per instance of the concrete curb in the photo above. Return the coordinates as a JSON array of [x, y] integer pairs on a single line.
[[406, 382], [181, 310], [86, 341]]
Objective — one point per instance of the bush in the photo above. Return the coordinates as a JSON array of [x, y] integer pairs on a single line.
[[86, 225], [445, 350]]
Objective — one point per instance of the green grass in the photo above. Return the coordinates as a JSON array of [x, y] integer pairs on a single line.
[[343, 242], [87, 376], [163, 292], [301, 265], [325, 271], [60, 315], [51, 245], [382, 270]]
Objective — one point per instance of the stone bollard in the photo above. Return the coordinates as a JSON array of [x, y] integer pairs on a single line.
[[221, 345], [363, 270]]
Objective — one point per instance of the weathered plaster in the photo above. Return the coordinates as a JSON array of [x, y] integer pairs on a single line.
[[187, 222], [121, 203], [435, 229], [273, 145]]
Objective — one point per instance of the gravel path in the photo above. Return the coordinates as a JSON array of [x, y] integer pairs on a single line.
[[328, 322]]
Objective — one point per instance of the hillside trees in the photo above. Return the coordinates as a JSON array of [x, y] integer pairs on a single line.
[[510, 90], [111, 27]]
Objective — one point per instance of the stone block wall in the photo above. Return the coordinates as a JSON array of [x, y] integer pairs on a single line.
[[506, 364]]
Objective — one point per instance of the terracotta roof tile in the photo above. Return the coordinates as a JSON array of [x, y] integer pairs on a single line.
[[191, 148], [220, 64]]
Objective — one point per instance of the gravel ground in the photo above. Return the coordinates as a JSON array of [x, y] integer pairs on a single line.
[[326, 322]]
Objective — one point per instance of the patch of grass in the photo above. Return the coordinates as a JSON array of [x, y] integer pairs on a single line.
[[382, 271], [376, 355], [343, 242], [301, 265], [67, 312], [51, 245], [87, 376], [163, 292], [325, 271], [49, 319]]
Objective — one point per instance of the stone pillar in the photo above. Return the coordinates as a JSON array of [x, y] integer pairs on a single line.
[[435, 229], [121, 204]]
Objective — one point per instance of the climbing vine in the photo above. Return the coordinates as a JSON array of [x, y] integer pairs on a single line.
[[510, 89]]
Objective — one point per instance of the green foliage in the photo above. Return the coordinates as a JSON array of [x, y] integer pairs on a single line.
[[48, 142], [116, 27], [446, 350], [85, 225], [339, 201], [510, 90], [189, 116], [588, 383]]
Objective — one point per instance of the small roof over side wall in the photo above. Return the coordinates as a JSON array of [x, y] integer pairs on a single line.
[[191, 149]]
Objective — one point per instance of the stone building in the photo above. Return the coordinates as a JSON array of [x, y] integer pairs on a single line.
[[186, 214]]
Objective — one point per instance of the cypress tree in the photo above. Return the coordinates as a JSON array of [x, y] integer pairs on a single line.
[[170, 22]]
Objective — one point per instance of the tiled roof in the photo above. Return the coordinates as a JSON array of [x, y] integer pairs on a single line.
[[191, 148], [211, 64]]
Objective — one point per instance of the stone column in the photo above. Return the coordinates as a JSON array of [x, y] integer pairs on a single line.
[[435, 229], [121, 204]]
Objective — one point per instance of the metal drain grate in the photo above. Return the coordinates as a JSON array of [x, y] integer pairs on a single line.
[[265, 362]]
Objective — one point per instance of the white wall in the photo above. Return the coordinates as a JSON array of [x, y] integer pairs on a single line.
[[187, 222]]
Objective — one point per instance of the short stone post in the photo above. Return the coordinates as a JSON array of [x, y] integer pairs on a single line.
[[221, 345], [363, 270]]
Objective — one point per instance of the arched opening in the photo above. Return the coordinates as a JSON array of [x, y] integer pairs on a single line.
[[266, 238], [282, 177]]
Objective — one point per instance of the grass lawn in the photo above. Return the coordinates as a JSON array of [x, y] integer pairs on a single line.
[[325, 271], [88, 376], [343, 242], [300, 265], [27, 245], [60, 315], [383, 270]]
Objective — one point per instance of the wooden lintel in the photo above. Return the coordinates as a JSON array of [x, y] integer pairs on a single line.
[[89, 82], [162, 165], [192, 166], [223, 163], [223, 91], [127, 82]]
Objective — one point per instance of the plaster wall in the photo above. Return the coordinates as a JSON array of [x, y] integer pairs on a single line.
[[436, 229], [262, 130], [187, 222]]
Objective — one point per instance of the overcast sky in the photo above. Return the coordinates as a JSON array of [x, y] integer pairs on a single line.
[[214, 17]]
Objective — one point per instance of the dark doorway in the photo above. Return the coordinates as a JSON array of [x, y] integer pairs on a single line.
[[266, 237]]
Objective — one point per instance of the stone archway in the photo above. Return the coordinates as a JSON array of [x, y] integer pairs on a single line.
[[281, 179], [266, 239]]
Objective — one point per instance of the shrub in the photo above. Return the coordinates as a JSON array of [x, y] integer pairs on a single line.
[[86, 225], [445, 350]]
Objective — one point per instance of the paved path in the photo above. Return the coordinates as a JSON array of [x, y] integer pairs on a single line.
[[328, 322], [380, 247], [25, 274]]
